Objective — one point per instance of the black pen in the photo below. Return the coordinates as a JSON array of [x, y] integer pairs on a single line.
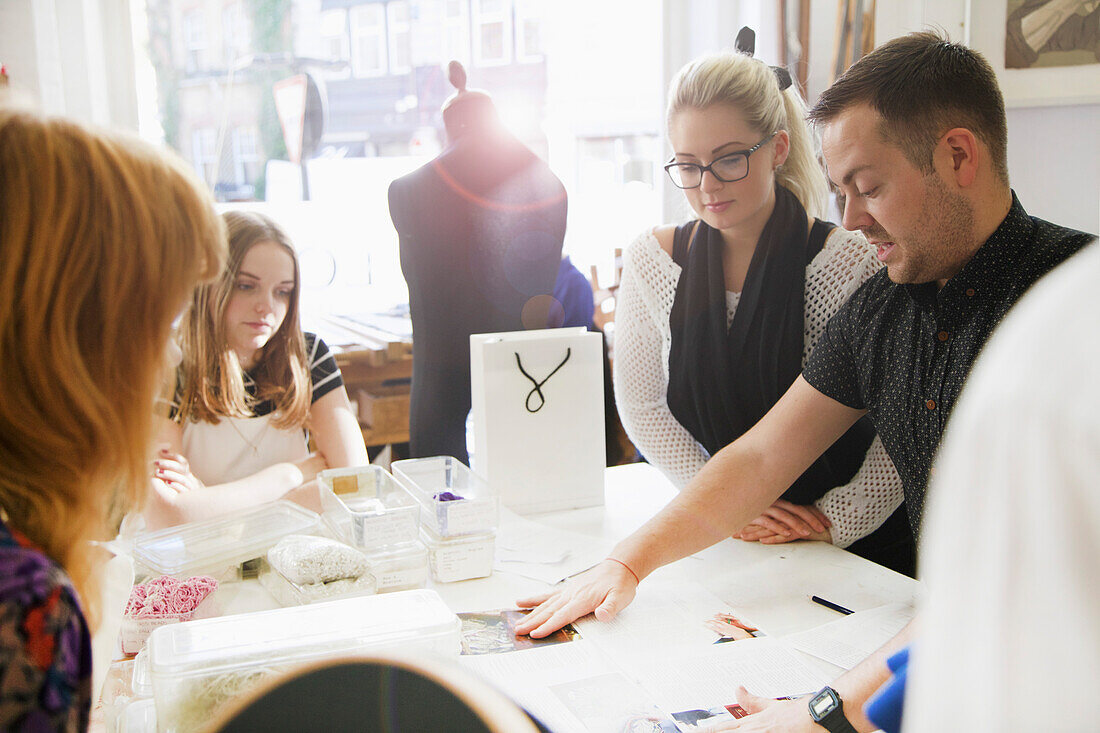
[[829, 604]]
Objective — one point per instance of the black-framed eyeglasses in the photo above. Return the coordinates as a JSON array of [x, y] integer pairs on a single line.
[[730, 168]]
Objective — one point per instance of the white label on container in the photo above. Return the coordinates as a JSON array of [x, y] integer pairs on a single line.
[[468, 560], [465, 517], [389, 528], [404, 578], [135, 631]]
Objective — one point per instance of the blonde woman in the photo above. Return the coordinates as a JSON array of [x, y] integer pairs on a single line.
[[250, 385], [717, 316], [102, 239]]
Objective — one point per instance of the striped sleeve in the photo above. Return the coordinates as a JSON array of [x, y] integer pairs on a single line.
[[323, 372]]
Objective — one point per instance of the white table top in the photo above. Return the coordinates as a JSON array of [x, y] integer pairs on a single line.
[[770, 585]]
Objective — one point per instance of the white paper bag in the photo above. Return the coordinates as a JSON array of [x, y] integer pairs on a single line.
[[538, 416]]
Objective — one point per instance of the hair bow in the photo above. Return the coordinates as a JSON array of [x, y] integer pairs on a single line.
[[746, 44]]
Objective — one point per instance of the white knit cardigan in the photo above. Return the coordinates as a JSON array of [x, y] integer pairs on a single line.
[[642, 342]]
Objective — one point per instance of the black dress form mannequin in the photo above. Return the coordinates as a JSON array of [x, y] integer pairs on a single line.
[[481, 229]]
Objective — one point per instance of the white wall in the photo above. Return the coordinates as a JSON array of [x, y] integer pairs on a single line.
[[1053, 151], [694, 28], [72, 57], [1054, 163]]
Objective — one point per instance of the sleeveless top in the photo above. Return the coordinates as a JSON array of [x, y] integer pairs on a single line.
[[237, 447]]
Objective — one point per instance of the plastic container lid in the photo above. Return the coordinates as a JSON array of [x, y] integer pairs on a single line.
[[459, 558], [474, 509], [416, 618], [399, 567], [140, 716], [368, 507], [142, 683], [289, 593], [215, 544], [409, 552]]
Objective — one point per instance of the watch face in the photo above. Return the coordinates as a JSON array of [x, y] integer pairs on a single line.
[[823, 703]]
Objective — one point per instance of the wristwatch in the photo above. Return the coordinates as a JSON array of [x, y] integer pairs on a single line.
[[827, 710]]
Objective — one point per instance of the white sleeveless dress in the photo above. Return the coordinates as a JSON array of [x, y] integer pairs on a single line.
[[238, 447]]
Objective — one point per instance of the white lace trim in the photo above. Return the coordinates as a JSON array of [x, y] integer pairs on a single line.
[[643, 340]]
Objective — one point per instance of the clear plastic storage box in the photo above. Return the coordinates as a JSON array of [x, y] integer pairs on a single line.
[[140, 716], [367, 508], [455, 500], [399, 568], [289, 593], [459, 558], [215, 546], [196, 667]]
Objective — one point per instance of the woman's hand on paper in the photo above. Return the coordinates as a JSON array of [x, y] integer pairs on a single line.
[[786, 522], [604, 590]]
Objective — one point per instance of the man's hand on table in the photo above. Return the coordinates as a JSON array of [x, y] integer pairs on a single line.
[[787, 522], [765, 714], [604, 590]]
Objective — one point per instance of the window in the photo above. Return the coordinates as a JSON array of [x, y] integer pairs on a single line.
[[236, 40], [426, 39], [194, 41], [456, 31], [246, 156], [368, 40], [529, 47], [493, 32], [398, 30], [204, 153], [334, 35]]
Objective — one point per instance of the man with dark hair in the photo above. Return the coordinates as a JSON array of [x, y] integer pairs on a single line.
[[913, 137], [921, 86]]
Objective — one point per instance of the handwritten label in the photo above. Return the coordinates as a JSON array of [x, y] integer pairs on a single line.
[[401, 578], [135, 631], [468, 516], [462, 562], [389, 528]]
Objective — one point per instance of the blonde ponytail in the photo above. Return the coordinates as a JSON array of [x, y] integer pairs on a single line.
[[802, 173]]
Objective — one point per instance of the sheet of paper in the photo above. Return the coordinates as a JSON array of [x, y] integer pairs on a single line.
[[849, 640], [764, 666], [571, 688], [663, 619], [536, 551]]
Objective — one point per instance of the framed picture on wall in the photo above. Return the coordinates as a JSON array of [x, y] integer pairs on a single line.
[[1045, 52]]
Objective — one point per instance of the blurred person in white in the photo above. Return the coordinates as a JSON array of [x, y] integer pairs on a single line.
[[1009, 634], [716, 317]]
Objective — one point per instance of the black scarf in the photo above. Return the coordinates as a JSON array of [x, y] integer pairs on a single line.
[[722, 382]]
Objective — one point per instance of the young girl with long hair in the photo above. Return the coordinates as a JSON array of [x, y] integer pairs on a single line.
[[250, 386], [716, 317], [102, 239]]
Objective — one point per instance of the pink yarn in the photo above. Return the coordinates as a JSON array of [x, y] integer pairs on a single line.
[[167, 596]]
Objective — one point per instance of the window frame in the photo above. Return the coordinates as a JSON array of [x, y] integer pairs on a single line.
[[482, 18], [393, 29], [193, 29], [360, 31], [344, 36], [523, 13]]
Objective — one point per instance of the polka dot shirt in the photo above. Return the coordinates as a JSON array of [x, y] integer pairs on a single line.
[[902, 352]]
